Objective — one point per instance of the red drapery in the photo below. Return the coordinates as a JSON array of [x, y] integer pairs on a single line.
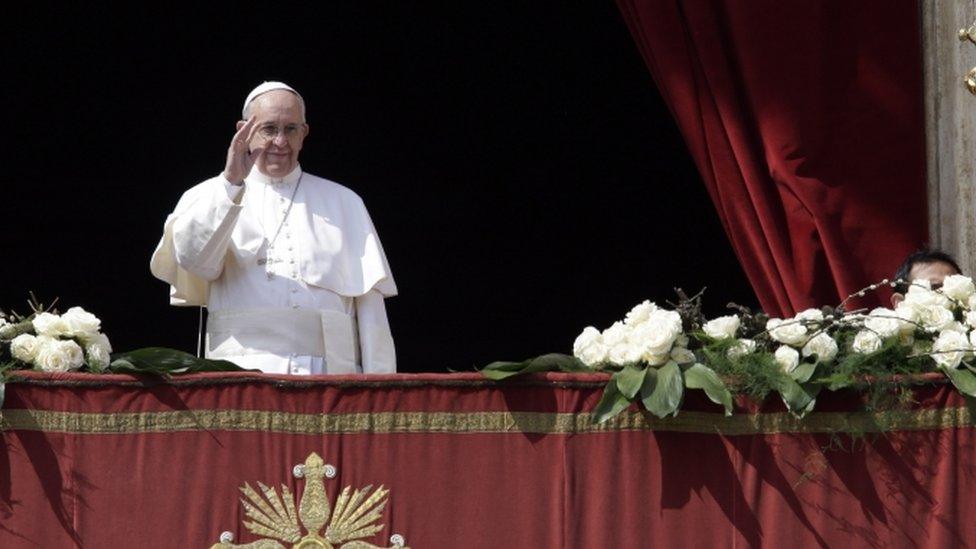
[[109, 461], [805, 120]]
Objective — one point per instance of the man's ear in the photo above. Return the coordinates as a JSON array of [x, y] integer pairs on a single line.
[[896, 298]]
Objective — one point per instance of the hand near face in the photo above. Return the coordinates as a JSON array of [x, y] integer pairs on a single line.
[[240, 157]]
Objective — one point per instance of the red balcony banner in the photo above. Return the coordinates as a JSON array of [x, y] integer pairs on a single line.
[[114, 461]]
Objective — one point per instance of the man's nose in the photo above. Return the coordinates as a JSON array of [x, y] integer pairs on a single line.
[[280, 140]]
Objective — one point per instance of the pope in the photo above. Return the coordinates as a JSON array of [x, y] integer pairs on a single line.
[[288, 264]]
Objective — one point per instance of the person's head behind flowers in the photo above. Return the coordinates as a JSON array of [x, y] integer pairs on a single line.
[[925, 264]]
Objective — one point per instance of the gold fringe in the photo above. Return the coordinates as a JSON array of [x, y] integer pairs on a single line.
[[478, 422]]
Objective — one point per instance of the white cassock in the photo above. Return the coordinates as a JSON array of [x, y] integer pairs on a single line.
[[291, 271]]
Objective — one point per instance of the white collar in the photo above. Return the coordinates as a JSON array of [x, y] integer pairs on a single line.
[[257, 177]]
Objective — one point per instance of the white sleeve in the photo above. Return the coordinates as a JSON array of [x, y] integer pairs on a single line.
[[375, 338], [202, 228]]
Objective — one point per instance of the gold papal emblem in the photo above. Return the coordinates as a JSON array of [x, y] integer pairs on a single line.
[[354, 516]]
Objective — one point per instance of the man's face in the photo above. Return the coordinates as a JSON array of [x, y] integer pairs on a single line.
[[934, 272], [280, 132]]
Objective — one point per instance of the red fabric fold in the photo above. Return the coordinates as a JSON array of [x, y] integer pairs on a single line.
[[806, 122]]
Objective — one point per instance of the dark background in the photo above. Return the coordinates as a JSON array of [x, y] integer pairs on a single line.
[[523, 173]]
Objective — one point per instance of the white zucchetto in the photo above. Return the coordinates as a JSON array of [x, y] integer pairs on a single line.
[[265, 88]]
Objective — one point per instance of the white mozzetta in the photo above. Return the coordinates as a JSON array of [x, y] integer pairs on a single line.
[[219, 248]]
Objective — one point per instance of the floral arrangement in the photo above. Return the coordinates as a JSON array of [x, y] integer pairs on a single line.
[[51, 342], [47, 341], [656, 353]]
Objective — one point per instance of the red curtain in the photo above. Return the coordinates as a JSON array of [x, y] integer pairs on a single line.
[[805, 120]]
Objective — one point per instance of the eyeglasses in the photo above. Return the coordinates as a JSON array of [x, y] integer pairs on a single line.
[[270, 131]]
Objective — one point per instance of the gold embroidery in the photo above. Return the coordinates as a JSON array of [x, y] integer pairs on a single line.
[[478, 422], [354, 517]]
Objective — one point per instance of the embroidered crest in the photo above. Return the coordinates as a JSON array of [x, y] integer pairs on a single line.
[[353, 518]]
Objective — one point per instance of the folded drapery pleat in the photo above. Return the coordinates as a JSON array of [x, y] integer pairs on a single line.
[[805, 121]]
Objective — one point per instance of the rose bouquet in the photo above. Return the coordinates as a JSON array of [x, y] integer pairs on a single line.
[[51, 342], [654, 354]]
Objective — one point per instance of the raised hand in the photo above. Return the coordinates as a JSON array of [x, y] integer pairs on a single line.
[[240, 157]]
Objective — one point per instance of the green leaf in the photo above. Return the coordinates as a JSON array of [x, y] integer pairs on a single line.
[[163, 361], [799, 399], [812, 389], [611, 403], [700, 376], [503, 370], [629, 380], [662, 392], [964, 380], [803, 372], [553, 362]]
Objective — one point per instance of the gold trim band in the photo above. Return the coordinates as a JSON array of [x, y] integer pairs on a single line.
[[477, 422]]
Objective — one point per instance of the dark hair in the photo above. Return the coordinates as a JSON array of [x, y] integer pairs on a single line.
[[922, 256]]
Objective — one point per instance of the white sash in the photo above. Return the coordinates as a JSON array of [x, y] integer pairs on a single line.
[[284, 332]]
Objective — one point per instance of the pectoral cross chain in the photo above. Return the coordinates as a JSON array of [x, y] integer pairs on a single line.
[[269, 261]]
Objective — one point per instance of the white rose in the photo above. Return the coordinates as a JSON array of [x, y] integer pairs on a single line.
[[640, 313], [787, 357], [950, 348], [98, 352], [723, 327], [59, 356], [971, 318], [658, 333], [814, 315], [972, 303], [791, 332], [935, 317], [955, 326], [625, 352], [884, 322], [821, 345], [82, 324], [958, 287], [24, 348], [615, 334], [906, 312], [921, 294], [866, 342], [682, 355], [908, 316], [50, 325], [3, 322], [588, 347], [741, 348], [972, 338], [102, 339]]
